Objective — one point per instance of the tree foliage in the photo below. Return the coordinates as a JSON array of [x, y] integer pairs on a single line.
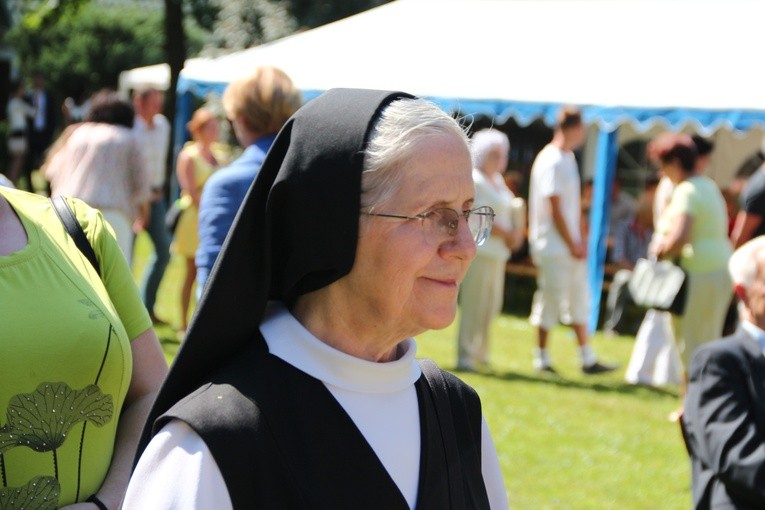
[[311, 14], [244, 23], [86, 44], [241, 24], [205, 12], [90, 48]]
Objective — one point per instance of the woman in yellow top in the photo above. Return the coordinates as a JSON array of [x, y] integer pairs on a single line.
[[197, 161], [80, 363], [694, 229]]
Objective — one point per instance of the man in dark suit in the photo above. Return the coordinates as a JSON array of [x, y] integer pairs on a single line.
[[725, 406], [42, 126]]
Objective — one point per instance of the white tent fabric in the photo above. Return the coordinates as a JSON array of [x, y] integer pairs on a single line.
[[639, 61], [157, 76]]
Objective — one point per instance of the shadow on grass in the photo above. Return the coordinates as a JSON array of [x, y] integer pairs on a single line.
[[592, 384]]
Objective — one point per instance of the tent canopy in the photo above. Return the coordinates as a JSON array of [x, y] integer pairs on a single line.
[[637, 61]]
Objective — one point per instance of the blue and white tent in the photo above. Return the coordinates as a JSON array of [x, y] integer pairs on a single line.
[[693, 64]]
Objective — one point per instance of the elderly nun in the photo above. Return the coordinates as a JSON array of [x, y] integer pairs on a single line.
[[297, 385]]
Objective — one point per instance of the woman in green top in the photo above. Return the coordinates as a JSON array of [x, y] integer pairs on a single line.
[[80, 365], [694, 229]]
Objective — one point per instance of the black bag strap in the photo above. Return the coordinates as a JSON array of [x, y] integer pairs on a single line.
[[74, 229], [439, 388]]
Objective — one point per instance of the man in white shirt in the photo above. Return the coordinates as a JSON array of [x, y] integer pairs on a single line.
[[724, 418], [557, 244], [152, 130]]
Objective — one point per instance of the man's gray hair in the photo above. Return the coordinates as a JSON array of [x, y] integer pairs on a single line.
[[742, 265], [401, 128]]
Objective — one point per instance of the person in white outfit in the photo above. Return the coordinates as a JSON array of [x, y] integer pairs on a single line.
[[557, 244], [19, 113], [482, 291]]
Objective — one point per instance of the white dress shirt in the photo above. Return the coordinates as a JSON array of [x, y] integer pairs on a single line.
[[756, 333], [154, 143]]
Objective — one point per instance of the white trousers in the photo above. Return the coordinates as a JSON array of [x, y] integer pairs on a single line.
[[563, 294]]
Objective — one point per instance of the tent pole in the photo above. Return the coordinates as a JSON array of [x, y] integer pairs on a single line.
[[600, 212]]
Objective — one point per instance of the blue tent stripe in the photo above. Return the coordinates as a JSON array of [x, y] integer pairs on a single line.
[[605, 170], [607, 117]]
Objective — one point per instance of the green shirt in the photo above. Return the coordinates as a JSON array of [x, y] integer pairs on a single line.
[[709, 248], [66, 362]]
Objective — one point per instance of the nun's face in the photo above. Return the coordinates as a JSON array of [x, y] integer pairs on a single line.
[[404, 279]]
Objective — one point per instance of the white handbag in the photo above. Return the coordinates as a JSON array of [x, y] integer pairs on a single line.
[[658, 284]]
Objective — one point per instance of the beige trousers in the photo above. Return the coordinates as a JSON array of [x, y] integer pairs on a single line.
[[481, 295], [706, 305]]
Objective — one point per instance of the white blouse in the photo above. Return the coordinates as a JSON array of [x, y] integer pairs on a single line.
[[18, 111], [177, 470], [494, 193]]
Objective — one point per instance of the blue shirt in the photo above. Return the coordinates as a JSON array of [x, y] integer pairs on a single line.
[[222, 196]]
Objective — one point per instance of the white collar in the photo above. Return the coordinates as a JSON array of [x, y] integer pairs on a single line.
[[290, 341]]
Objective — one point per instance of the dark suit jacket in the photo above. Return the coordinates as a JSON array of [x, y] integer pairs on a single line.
[[725, 423], [52, 107]]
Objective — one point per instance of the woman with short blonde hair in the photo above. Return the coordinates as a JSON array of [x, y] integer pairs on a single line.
[[257, 107], [262, 102]]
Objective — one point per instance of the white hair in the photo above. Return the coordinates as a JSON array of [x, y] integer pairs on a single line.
[[742, 265], [484, 142], [402, 127]]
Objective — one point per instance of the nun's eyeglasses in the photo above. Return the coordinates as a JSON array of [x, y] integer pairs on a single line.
[[443, 222]]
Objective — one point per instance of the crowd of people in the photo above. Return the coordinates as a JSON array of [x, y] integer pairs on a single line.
[[318, 253]]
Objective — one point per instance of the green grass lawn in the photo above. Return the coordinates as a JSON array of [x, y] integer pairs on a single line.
[[565, 442]]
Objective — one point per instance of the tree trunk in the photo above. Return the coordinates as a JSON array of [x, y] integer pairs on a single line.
[[175, 52]]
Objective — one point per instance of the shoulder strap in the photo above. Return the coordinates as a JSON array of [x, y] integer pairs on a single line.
[[440, 391], [74, 229]]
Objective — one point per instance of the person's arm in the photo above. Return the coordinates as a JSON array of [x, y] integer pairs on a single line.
[[619, 249], [718, 416], [576, 248], [744, 227], [138, 179], [186, 179], [512, 238], [149, 366], [177, 472], [149, 370], [30, 111], [671, 245]]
